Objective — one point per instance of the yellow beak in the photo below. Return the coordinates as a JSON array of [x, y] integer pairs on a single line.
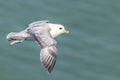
[[66, 32]]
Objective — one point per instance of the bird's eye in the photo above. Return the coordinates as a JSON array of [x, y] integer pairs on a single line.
[[60, 28]]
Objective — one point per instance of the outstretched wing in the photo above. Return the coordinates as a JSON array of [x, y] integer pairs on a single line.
[[38, 23], [48, 53], [48, 57]]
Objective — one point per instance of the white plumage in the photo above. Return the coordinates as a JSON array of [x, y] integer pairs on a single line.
[[44, 33]]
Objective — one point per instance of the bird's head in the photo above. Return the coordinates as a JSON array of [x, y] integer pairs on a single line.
[[57, 29]]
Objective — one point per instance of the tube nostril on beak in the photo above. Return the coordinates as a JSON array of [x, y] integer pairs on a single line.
[[66, 31]]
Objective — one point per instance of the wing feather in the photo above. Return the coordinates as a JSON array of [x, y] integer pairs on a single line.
[[48, 60]]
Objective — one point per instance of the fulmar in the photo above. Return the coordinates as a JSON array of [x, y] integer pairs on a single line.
[[43, 32]]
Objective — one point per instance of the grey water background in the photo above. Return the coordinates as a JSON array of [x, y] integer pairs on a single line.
[[90, 52]]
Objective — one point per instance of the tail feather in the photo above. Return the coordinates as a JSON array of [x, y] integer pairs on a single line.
[[14, 38], [11, 36]]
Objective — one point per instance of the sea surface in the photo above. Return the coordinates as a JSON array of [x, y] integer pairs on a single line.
[[90, 52]]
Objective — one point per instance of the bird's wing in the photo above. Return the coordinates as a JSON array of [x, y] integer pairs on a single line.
[[48, 57], [48, 53], [38, 23]]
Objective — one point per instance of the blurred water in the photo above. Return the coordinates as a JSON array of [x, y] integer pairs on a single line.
[[90, 52]]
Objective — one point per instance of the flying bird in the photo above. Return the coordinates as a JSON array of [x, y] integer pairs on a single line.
[[43, 32]]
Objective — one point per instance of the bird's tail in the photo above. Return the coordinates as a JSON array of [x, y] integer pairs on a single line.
[[14, 38]]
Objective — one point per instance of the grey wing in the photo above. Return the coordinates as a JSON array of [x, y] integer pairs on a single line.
[[48, 57], [48, 52], [38, 23]]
